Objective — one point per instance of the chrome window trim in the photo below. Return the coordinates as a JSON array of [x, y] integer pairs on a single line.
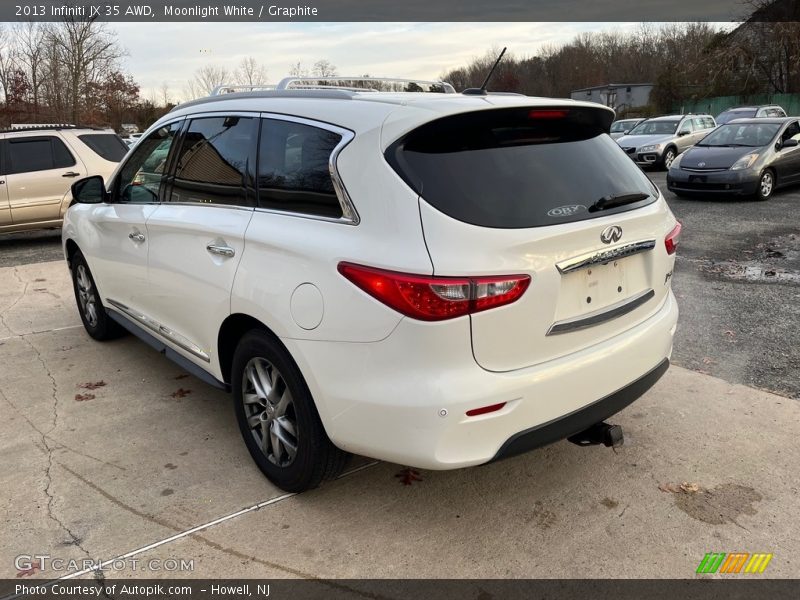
[[584, 261], [161, 330], [350, 215], [601, 316]]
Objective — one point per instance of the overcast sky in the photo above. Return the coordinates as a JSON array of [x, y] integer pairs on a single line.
[[171, 52]]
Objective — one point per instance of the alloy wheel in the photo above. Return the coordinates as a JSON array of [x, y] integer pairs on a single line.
[[766, 184], [270, 413], [86, 296], [669, 158]]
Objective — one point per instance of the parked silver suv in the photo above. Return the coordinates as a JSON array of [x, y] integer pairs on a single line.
[[657, 141]]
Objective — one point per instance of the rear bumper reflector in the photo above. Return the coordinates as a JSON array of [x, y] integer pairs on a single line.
[[602, 315]]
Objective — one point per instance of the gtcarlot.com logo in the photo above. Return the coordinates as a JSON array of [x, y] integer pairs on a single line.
[[735, 562], [29, 564]]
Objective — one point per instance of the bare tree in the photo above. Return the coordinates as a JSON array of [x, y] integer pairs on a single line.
[[297, 70], [250, 72], [88, 52], [324, 68], [206, 79], [164, 95], [31, 48], [8, 61]]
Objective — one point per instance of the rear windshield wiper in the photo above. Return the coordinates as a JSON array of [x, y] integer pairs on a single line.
[[618, 200]]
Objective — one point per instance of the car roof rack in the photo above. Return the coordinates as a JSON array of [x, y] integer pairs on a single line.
[[356, 84], [15, 127]]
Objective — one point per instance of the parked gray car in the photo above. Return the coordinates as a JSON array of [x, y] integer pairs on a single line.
[[621, 127], [768, 111], [657, 141]]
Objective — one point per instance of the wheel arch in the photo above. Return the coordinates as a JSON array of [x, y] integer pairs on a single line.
[[70, 248], [230, 332]]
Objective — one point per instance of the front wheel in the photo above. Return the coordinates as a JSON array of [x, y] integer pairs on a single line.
[[766, 185], [93, 314], [669, 158], [278, 418]]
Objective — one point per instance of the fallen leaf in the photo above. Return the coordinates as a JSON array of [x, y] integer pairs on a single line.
[[180, 393], [35, 566], [709, 361], [690, 488], [84, 397], [729, 333], [680, 488], [92, 385], [408, 476]]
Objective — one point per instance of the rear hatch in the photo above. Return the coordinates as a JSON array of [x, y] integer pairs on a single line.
[[547, 193]]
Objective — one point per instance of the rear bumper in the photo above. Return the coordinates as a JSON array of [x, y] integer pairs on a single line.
[[404, 399], [720, 182], [581, 419]]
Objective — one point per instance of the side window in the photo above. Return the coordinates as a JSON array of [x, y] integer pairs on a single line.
[[791, 131], [216, 162], [686, 126], [41, 153], [709, 122], [699, 123], [293, 172], [142, 177]]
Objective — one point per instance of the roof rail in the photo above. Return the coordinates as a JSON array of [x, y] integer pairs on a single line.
[[44, 127], [368, 84], [230, 88]]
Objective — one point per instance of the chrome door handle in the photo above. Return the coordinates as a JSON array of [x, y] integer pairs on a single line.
[[71, 174], [136, 236], [221, 250]]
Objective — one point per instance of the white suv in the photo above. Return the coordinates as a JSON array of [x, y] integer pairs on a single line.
[[434, 279], [38, 164]]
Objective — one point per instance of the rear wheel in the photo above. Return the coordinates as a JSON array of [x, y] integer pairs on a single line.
[[278, 418], [766, 185], [668, 158], [93, 314]]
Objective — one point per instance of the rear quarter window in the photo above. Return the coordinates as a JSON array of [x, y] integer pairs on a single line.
[[518, 168], [106, 145]]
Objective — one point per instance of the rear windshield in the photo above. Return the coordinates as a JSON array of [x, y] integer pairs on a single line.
[[516, 168], [730, 115], [106, 145], [618, 126]]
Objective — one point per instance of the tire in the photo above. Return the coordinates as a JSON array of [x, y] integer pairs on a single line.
[[766, 185], [277, 416], [669, 156], [93, 314]]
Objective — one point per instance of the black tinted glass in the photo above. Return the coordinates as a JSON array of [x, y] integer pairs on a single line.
[[730, 115], [507, 169], [216, 164], [105, 145], [30, 154], [293, 173]]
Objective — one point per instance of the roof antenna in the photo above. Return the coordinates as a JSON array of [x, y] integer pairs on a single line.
[[481, 91]]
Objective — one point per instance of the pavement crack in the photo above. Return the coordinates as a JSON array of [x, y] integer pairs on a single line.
[[49, 448], [3, 313]]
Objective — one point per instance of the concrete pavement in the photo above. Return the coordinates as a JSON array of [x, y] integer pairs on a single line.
[[152, 453]]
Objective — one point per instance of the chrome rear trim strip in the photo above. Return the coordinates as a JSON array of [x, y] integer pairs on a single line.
[[601, 316], [158, 328], [598, 258]]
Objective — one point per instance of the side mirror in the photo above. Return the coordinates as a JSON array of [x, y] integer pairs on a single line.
[[90, 190], [790, 143], [683, 133]]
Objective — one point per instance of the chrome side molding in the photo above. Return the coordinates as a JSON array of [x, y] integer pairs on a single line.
[[602, 315], [589, 259], [160, 329]]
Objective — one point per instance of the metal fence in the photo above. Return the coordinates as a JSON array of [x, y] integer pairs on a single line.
[[714, 106]]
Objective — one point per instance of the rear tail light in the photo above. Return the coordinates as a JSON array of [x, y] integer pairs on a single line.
[[430, 298], [672, 239]]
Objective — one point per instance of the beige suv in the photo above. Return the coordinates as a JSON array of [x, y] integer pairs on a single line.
[[38, 165]]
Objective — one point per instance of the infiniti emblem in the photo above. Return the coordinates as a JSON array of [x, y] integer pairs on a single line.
[[612, 233], [701, 164]]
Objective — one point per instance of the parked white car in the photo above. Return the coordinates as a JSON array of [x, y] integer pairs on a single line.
[[38, 165], [434, 279]]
